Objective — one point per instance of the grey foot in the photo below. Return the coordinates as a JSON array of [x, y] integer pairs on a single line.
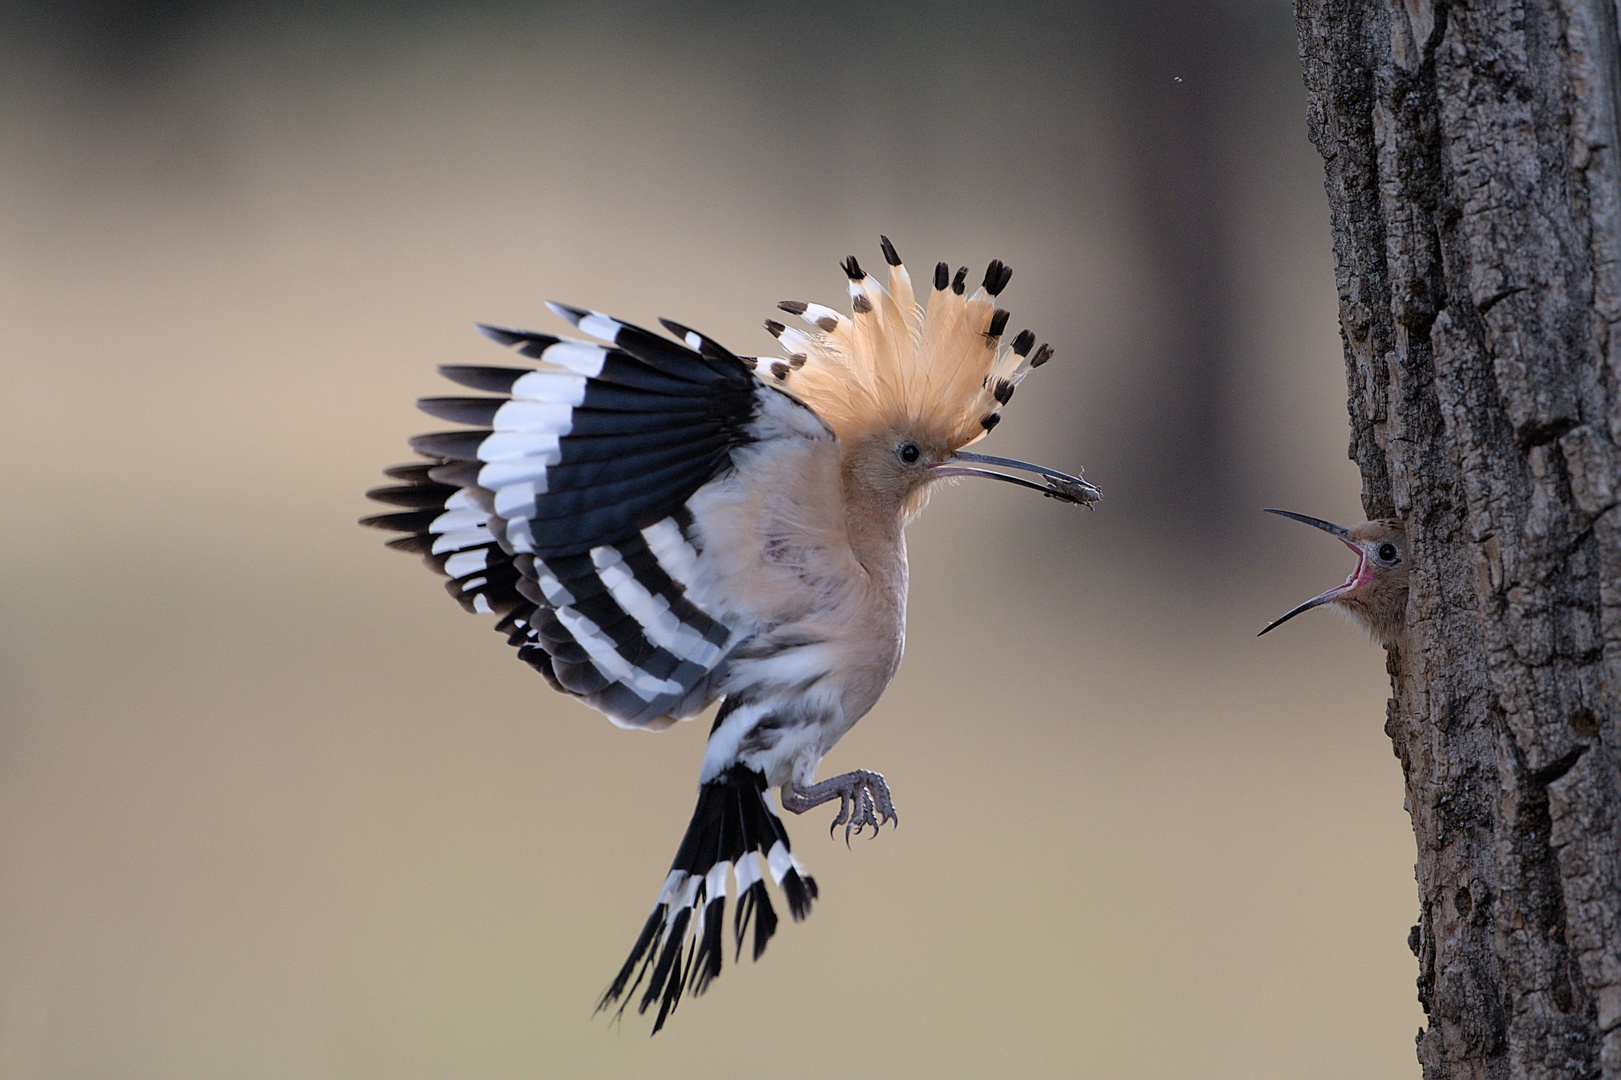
[[863, 800]]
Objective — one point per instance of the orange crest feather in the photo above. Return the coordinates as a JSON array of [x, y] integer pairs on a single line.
[[943, 370]]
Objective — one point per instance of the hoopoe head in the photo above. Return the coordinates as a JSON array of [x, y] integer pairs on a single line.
[[907, 386], [1375, 595]]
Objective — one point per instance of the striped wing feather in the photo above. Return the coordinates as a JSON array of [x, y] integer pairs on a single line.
[[563, 506]]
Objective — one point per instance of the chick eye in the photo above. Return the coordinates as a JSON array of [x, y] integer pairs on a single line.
[[1387, 552], [909, 452]]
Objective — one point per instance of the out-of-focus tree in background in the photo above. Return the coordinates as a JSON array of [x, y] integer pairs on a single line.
[[269, 804]]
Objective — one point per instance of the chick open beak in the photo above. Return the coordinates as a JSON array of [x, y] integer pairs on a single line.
[[1359, 576], [1060, 486]]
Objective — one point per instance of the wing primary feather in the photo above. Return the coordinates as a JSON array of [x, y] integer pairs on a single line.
[[416, 496], [478, 412], [416, 470], [494, 380], [454, 445]]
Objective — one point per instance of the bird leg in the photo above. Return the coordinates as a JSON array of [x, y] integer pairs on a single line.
[[863, 800]]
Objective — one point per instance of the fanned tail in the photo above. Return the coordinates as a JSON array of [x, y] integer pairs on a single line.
[[735, 831]]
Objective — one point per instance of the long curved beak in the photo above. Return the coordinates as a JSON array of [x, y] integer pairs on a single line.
[[1340, 532], [1326, 598], [1060, 486]]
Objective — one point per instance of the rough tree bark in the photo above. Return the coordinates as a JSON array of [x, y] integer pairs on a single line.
[[1475, 202]]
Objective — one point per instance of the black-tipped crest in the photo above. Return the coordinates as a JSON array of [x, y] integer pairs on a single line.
[[948, 361], [1043, 354], [997, 276], [774, 328]]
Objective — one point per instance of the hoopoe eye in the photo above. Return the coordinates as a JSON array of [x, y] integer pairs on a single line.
[[1387, 552], [909, 453]]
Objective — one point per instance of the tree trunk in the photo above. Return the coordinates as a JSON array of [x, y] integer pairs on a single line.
[[1474, 194]]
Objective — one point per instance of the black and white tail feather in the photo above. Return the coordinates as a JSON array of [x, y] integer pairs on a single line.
[[735, 832]]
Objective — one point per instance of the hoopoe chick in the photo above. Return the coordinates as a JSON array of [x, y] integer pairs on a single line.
[[660, 524], [1375, 595]]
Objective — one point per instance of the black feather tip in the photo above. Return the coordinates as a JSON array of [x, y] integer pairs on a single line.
[[997, 276], [891, 256], [853, 269], [942, 277]]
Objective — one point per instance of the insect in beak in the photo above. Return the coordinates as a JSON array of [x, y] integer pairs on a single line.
[[1060, 486]]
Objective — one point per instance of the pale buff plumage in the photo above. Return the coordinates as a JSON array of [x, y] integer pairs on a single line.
[[819, 554]]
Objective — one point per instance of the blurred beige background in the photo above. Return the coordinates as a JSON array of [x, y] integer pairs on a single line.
[[272, 806]]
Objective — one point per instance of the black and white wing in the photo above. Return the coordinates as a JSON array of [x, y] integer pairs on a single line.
[[564, 508]]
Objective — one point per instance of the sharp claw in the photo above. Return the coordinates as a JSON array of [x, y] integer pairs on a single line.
[[865, 802]]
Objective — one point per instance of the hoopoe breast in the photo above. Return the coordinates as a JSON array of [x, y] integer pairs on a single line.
[[793, 690]]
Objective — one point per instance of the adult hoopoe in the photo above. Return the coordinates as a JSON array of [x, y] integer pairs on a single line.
[[1374, 596], [660, 524]]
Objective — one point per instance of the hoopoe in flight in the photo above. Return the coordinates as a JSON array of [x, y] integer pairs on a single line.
[[1374, 596], [660, 524]]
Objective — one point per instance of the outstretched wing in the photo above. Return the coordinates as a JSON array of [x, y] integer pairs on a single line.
[[568, 507]]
